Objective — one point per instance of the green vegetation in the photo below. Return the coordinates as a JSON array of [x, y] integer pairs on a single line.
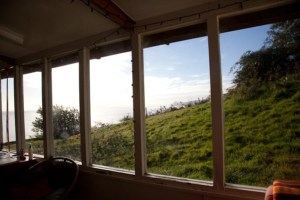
[[262, 124], [65, 122], [262, 141]]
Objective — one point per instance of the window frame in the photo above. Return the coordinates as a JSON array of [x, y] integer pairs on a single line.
[[140, 173], [218, 185]]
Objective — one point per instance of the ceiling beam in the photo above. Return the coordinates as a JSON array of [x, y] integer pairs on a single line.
[[262, 17], [11, 35], [110, 10]]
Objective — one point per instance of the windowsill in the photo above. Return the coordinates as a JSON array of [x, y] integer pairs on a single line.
[[244, 187], [198, 186], [244, 190], [108, 171]]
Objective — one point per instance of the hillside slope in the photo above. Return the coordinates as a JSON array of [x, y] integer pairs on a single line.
[[262, 140], [262, 135]]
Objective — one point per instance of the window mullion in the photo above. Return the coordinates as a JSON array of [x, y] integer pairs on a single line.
[[138, 105], [47, 109], [85, 116], [19, 108], [1, 124], [216, 102]]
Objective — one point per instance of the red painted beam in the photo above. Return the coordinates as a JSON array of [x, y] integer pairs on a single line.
[[110, 10]]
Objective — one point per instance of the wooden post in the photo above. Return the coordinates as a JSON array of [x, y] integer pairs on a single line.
[[1, 124], [85, 116], [19, 108], [47, 109], [138, 105], [216, 102]]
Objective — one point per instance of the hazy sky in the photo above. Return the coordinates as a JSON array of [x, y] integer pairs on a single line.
[[175, 72]]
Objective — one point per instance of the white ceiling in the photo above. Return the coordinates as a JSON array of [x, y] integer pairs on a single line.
[[140, 10], [44, 24]]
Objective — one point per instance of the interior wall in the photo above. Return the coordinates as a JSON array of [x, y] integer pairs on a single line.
[[92, 186]]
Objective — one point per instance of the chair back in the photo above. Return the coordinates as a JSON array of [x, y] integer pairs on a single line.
[[53, 178]]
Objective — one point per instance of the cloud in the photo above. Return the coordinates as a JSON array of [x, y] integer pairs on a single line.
[[65, 85], [163, 91], [170, 68], [111, 80], [111, 87], [32, 91]]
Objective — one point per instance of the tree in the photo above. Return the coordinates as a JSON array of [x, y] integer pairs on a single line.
[[65, 122], [274, 63]]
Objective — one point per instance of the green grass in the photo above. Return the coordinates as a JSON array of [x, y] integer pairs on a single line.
[[262, 141]]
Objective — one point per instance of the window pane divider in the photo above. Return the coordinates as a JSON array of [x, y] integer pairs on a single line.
[[85, 116], [216, 103], [47, 109], [19, 108], [1, 124], [138, 105]]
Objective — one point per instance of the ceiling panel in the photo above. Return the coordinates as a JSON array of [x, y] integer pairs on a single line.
[[141, 10], [45, 24], [28, 28]]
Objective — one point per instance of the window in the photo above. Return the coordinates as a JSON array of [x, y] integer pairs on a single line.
[[65, 94], [8, 114], [178, 111], [261, 106], [111, 111], [33, 111], [262, 140]]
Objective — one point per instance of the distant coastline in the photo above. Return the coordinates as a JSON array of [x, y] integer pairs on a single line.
[[29, 117], [107, 115]]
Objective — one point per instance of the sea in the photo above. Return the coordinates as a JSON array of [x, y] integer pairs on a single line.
[[107, 116], [29, 117]]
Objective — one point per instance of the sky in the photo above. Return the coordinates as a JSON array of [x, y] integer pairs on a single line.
[[178, 72]]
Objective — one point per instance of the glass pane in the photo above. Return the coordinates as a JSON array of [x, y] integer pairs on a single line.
[[32, 84], [8, 115], [262, 140], [111, 111], [178, 110], [65, 91]]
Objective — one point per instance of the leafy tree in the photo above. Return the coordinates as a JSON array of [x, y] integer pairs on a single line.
[[38, 124], [274, 63], [65, 122]]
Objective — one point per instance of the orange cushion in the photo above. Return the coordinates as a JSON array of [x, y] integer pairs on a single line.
[[286, 189]]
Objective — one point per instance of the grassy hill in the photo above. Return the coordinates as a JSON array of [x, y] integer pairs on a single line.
[[262, 140]]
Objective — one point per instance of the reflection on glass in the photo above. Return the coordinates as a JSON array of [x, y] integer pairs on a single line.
[[111, 111], [178, 110]]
